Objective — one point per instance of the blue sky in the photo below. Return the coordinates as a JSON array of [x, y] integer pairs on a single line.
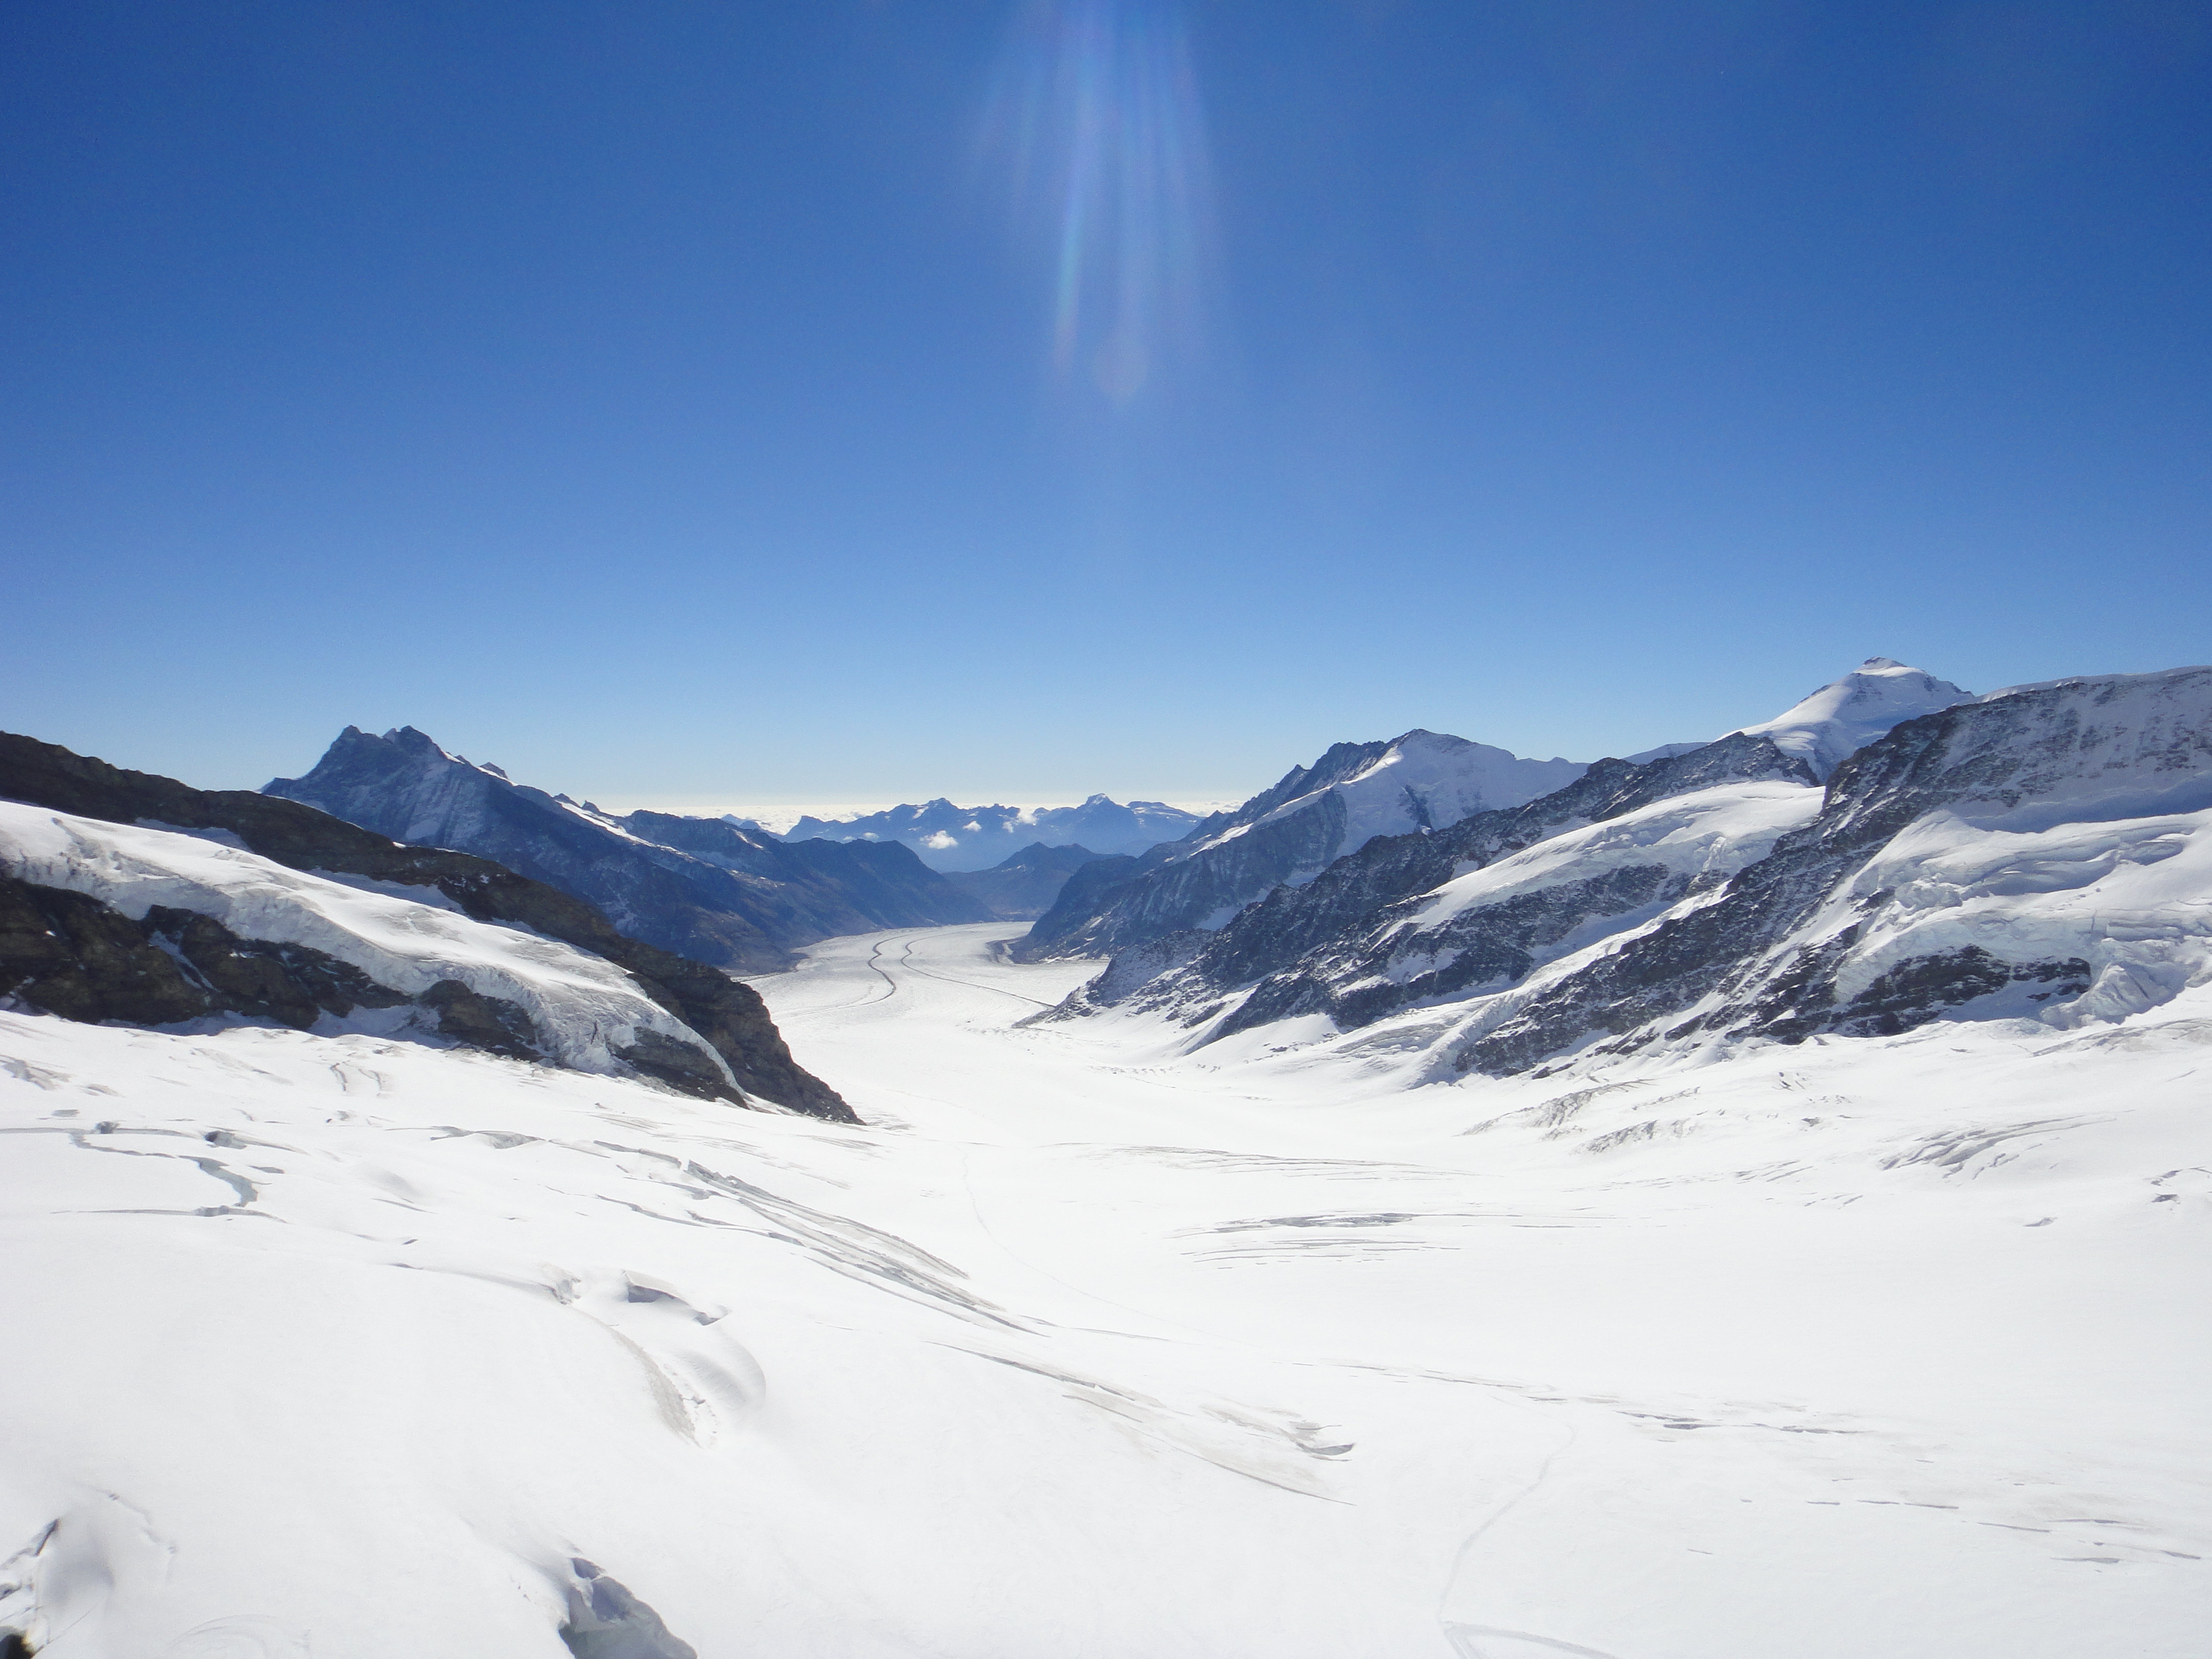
[[861, 400]]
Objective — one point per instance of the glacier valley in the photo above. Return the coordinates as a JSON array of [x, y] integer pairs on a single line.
[[1084, 1343], [1744, 1199]]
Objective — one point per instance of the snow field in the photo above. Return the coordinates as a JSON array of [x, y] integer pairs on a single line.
[[340, 1347]]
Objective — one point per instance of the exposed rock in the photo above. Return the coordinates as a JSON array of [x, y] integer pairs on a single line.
[[1778, 954], [1336, 945], [68, 954], [606, 1621]]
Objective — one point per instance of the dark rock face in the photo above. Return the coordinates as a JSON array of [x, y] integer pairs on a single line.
[[1334, 946], [727, 1014], [1026, 885], [703, 887], [64, 953], [605, 1620]]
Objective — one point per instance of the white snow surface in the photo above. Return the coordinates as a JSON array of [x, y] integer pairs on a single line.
[[2133, 899], [583, 1006], [1713, 831], [338, 1348], [1849, 713], [1424, 780]]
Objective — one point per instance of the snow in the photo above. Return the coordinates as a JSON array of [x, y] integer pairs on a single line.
[[583, 1006], [339, 1346], [2134, 899], [1849, 713], [1424, 780], [1713, 831]]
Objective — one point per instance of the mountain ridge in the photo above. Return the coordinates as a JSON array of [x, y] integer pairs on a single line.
[[2036, 853], [702, 888], [1289, 833], [950, 838]]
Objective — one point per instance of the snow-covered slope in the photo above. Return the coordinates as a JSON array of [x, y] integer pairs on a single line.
[[91, 962], [1990, 860], [704, 888], [1368, 935], [576, 1011], [343, 1348], [961, 838], [1289, 833], [1422, 780], [2044, 852], [1849, 713], [1325, 939]]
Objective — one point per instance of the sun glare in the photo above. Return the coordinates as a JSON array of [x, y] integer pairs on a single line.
[[1095, 116]]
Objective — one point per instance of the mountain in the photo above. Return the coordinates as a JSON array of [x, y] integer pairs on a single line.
[[1023, 886], [704, 888], [1845, 715], [1290, 833], [1395, 923], [2042, 852], [949, 837], [126, 896]]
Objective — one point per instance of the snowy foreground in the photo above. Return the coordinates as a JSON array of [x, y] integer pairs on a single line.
[[348, 1347]]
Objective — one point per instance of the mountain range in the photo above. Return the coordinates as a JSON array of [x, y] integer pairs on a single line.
[[1022, 887], [949, 837], [1417, 785], [2029, 853], [708, 889], [1290, 833]]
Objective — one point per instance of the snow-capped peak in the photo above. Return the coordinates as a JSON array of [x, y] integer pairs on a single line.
[[1427, 780], [1847, 714]]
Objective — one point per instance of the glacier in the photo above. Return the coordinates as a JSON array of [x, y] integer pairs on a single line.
[[1743, 1201], [337, 1347]]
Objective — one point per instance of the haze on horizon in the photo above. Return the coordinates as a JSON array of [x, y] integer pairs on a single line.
[[867, 401]]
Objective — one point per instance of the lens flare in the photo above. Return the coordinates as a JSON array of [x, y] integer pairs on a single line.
[[1096, 113]]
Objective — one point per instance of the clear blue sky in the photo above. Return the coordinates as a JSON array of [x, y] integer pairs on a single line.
[[842, 400]]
